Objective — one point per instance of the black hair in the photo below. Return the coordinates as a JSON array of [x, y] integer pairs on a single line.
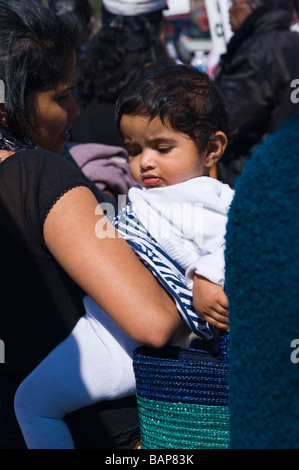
[[82, 8], [280, 4], [183, 97], [289, 6], [118, 53], [82, 12], [35, 45]]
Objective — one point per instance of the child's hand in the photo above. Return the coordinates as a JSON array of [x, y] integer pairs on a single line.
[[210, 302]]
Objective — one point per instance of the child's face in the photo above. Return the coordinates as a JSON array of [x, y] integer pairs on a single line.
[[158, 155]]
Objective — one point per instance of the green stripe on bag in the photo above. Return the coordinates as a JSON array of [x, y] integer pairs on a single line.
[[166, 425]]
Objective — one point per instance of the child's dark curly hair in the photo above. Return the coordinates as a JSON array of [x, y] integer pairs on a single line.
[[183, 98]]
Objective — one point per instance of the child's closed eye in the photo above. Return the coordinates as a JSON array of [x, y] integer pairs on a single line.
[[164, 149]]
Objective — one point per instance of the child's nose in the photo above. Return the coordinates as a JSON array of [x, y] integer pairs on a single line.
[[147, 160]]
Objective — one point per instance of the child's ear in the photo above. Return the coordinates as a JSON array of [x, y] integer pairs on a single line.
[[215, 148]]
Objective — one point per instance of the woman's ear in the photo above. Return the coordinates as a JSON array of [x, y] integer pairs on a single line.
[[215, 148]]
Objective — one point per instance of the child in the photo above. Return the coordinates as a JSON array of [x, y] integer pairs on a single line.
[[174, 126]]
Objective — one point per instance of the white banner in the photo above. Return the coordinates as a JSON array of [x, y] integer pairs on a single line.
[[220, 29], [177, 7]]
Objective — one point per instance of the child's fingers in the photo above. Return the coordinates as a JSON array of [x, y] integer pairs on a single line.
[[223, 300], [217, 308], [221, 310], [218, 324], [216, 319]]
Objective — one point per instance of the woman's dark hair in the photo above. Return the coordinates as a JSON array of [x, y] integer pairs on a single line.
[[118, 54], [82, 8], [83, 11], [183, 98], [35, 45]]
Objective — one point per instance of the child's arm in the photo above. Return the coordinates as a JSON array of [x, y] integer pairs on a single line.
[[210, 302]]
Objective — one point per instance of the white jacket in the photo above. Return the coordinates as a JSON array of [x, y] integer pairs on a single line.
[[188, 220]]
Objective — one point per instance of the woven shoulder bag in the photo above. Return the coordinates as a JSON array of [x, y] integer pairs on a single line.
[[182, 397]]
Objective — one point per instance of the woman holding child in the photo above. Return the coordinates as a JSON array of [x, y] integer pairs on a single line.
[[53, 257], [50, 255]]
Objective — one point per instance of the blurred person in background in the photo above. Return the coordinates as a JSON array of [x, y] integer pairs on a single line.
[[130, 40], [83, 10], [255, 76]]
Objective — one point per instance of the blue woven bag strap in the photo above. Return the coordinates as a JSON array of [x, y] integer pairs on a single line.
[[223, 343]]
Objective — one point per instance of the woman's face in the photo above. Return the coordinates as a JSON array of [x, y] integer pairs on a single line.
[[52, 111]]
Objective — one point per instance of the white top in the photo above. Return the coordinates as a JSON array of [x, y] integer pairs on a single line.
[[188, 220]]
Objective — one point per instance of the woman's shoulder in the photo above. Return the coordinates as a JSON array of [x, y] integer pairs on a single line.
[[37, 175], [36, 156], [31, 181], [39, 164]]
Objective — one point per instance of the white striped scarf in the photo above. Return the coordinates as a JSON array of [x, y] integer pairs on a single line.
[[166, 270]]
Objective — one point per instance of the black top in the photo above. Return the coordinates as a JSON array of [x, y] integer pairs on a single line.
[[40, 304]]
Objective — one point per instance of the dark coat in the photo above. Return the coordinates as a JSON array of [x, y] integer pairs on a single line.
[[255, 77]]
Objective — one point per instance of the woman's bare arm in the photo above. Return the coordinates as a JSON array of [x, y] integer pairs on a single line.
[[108, 270]]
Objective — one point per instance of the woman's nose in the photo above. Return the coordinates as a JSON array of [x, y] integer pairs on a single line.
[[74, 109]]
